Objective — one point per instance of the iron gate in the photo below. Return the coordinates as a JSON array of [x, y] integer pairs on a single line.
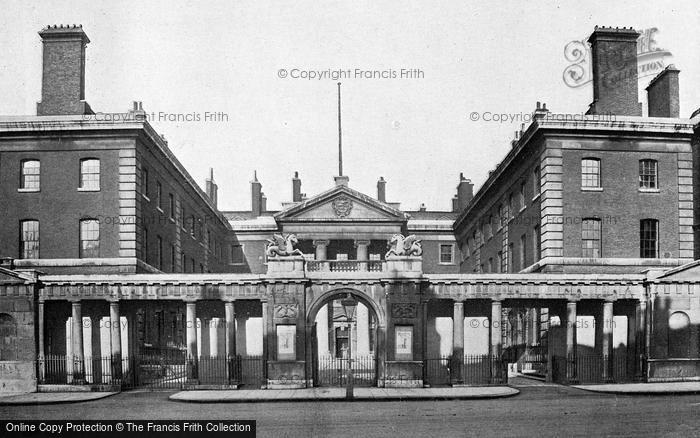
[[332, 371]]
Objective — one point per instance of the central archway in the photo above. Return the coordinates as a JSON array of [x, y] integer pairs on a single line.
[[336, 337]]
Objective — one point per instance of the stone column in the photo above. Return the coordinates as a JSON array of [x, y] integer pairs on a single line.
[[214, 324], [607, 344], [321, 254], [458, 342], [362, 254], [230, 334], [40, 321], [641, 338], [265, 333], [362, 330], [230, 329], [77, 343], [322, 331], [115, 332], [192, 353], [96, 348], [496, 341], [571, 372], [204, 338]]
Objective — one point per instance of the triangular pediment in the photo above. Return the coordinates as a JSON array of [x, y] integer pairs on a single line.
[[688, 272], [8, 276], [341, 203]]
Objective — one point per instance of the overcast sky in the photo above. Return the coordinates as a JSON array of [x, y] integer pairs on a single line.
[[198, 57]]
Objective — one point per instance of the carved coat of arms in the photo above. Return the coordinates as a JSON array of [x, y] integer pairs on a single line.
[[342, 206]]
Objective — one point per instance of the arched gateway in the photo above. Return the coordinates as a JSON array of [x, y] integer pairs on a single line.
[[346, 327]]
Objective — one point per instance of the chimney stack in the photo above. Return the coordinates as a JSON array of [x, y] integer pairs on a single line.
[[263, 203], [455, 203], [256, 195], [296, 188], [662, 94], [63, 71], [465, 192], [615, 77], [212, 188], [381, 189]]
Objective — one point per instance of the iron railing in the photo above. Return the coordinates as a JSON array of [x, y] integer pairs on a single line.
[[153, 371], [595, 368], [480, 369]]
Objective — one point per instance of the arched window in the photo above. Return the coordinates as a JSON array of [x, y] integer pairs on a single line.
[[29, 239], [90, 174], [679, 335], [30, 175], [648, 175], [590, 237], [590, 173], [89, 238], [649, 238], [8, 335]]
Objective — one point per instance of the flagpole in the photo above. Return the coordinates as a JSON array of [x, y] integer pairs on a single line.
[[340, 138]]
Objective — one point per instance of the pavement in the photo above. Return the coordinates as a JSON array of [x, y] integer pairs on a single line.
[[48, 398], [645, 388], [338, 394]]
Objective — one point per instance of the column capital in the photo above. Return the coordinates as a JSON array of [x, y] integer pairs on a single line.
[[458, 303], [321, 242], [361, 242]]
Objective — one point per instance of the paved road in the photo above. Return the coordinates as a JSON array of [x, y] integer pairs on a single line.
[[541, 410]]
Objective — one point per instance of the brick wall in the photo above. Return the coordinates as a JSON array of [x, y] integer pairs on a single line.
[[59, 205]]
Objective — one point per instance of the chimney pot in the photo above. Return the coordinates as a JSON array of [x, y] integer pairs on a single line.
[[63, 71], [381, 189], [465, 192], [615, 76], [256, 195], [662, 94], [296, 188]]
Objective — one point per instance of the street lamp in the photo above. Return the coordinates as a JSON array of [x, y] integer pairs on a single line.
[[349, 305]]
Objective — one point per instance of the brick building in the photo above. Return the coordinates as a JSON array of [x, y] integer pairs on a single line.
[[118, 269], [611, 191]]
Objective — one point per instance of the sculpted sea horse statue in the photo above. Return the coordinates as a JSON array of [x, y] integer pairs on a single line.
[[282, 245], [404, 246]]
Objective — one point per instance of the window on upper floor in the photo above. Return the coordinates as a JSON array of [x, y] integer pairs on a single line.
[[159, 195], [145, 244], [159, 252], [490, 265], [489, 228], [29, 239], [536, 180], [648, 175], [171, 205], [649, 238], [521, 197], [89, 238], [502, 216], [237, 255], [523, 251], [590, 173], [511, 206], [447, 254], [173, 254], [536, 243], [145, 182], [30, 175], [90, 174], [502, 266], [590, 238], [192, 226]]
